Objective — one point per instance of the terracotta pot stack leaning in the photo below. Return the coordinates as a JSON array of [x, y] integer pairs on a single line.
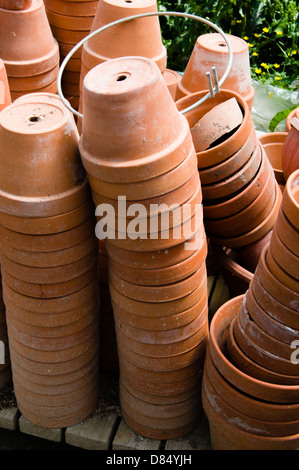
[[251, 378], [241, 196], [27, 47], [139, 156], [70, 22], [211, 50], [48, 263], [138, 37], [273, 143]]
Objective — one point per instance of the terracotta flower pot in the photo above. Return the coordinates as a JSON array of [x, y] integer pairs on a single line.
[[211, 50], [287, 233], [273, 143], [286, 259], [281, 274], [234, 142], [147, 155], [219, 330], [118, 41], [290, 153], [35, 125], [72, 8], [172, 79], [21, 56], [5, 97]]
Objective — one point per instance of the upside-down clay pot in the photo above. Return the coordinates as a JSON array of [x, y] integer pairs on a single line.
[[157, 281], [29, 67], [172, 79], [49, 266], [211, 50], [5, 98], [290, 152], [70, 22], [273, 143], [15, 4]]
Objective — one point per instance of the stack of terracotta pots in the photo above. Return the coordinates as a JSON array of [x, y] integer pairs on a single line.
[[70, 22], [138, 152], [138, 37], [27, 46], [251, 380], [211, 50], [48, 263], [273, 143], [5, 366], [241, 196]]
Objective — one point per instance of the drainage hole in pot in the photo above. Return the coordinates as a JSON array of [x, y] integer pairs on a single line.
[[35, 119]]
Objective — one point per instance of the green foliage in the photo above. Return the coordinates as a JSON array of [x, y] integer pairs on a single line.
[[270, 28]]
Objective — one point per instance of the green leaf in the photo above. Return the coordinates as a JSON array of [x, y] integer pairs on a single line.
[[280, 116]]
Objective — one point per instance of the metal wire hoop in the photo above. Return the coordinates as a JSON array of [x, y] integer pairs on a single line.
[[209, 94]]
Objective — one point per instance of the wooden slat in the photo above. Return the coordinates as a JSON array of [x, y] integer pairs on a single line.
[[9, 418], [127, 439], [95, 433], [27, 427]]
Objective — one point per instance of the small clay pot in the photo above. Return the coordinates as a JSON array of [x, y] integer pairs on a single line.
[[21, 56], [290, 153], [139, 37], [216, 124], [290, 200], [276, 288], [219, 330], [273, 143], [34, 124], [172, 79], [232, 144], [210, 50]]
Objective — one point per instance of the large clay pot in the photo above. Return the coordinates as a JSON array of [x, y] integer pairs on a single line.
[[211, 50], [290, 153]]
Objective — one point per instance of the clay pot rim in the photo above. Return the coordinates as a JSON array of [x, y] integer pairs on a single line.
[[224, 187], [207, 155], [287, 232], [214, 341], [280, 286], [264, 167], [227, 261], [281, 252], [257, 232], [281, 274], [273, 137], [289, 204], [271, 407], [207, 174]]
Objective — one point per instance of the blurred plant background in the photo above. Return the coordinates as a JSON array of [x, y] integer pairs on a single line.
[[270, 28]]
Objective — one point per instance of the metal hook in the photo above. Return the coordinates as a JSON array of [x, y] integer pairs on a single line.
[[143, 15]]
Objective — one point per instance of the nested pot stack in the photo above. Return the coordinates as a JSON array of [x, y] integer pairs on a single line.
[[251, 381], [48, 263], [27, 47], [138, 152], [70, 22], [138, 37], [5, 365], [241, 196], [5, 97]]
